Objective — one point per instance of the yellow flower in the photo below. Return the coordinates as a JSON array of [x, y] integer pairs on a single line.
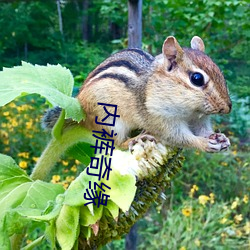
[[6, 149], [29, 124], [211, 195], [19, 108], [77, 162], [35, 159], [224, 164], [65, 185], [234, 152], [238, 233], [203, 199], [29, 135], [238, 218], [224, 235], [12, 105], [70, 178], [223, 220], [6, 141], [55, 178], [6, 113], [24, 154], [245, 199], [23, 164], [193, 190], [247, 227], [73, 168], [4, 134], [197, 242], [24, 107], [183, 248], [65, 163], [235, 203], [187, 211], [14, 123]]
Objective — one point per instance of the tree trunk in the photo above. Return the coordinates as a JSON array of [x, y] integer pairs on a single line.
[[131, 238], [85, 21], [59, 16], [135, 23], [134, 41]]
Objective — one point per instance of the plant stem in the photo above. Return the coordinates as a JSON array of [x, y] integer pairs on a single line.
[[57, 146], [52, 153]]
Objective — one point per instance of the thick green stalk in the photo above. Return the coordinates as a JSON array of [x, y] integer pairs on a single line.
[[58, 146]]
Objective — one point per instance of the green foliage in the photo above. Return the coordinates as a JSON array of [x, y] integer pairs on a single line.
[[232, 166], [81, 58], [238, 121], [19, 198], [198, 224], [223, 25], [29, 33], [82, 152]]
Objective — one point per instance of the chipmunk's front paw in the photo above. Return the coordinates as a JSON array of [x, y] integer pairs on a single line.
[[141, 139], [218, 142]]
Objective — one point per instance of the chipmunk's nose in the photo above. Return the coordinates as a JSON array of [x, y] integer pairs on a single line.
[[227, 108]]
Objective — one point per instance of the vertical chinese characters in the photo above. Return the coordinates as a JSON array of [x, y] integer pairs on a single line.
[[100, 165]]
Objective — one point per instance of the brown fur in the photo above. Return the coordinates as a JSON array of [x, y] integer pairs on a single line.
[[156, 95]]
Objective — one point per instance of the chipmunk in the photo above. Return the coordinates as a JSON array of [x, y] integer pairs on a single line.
[[170, 97]]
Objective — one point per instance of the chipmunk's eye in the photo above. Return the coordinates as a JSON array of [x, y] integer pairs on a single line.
[[197, 79]]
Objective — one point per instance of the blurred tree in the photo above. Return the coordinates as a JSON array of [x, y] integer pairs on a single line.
[[86, 21], [58, 3], [134, 23], [30, 31]]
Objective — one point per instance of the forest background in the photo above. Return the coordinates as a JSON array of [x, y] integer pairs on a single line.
[[207, 205]]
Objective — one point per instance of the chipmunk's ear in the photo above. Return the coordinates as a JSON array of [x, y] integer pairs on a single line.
[[171, 49], [197, 43]]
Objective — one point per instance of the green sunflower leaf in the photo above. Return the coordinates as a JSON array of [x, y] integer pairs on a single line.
[[53, 82]]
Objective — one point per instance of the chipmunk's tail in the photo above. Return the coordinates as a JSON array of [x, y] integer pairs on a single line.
[[50, 117]]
